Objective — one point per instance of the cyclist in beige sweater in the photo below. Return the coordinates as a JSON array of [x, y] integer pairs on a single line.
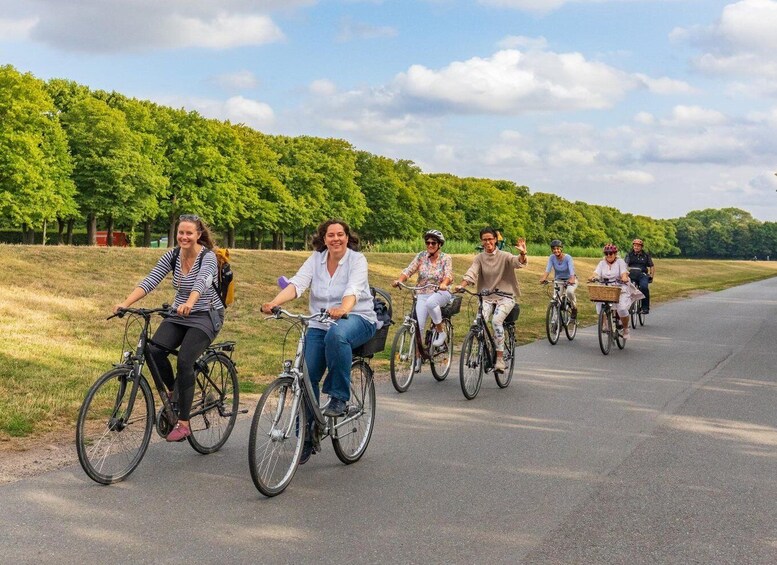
[[495, 270]]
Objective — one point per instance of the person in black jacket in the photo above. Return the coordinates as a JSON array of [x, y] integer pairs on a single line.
[[641, 270]]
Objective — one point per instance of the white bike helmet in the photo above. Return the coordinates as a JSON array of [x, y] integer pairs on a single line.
[[436, 234]]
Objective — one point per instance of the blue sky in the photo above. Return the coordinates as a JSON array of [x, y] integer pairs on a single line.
[[655, 107]]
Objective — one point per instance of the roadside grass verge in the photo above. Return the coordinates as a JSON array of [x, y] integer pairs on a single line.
[[54, 302]]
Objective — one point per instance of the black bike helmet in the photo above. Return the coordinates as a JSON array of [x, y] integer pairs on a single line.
[[436, 234], [556, 243]]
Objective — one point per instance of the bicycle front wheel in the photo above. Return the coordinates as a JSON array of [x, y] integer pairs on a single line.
[[350, 439], [402, 364], [276, 438], [111, 436], [633, 313], [503, 378], [215, 406], [442, 356], [471, 365], [605, 327], [570, 324], [552, 323], [641, 313]]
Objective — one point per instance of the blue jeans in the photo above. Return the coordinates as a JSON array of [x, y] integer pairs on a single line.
[[642, 284], [332, 349]]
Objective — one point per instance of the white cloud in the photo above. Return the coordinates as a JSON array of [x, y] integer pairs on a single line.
[[694, 116], [143, 25], [742, 42], [666, 85], [16, 29], [351, 30], [239, 80], [512, 82], [237, 109], [323, 87], [628, 177], [544, 6], [520, 41], [375, 126]]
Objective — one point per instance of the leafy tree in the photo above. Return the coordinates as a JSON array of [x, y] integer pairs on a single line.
[[35, 168]]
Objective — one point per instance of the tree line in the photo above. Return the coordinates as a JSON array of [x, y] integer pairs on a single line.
[[71, 155]]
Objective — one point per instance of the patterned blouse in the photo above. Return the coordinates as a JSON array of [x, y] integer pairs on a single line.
[[429, 273]]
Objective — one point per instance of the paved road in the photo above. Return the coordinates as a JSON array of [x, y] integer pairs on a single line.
[[665, 452]]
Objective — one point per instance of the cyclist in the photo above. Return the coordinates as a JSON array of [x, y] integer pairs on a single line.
[[199, 312], [336, 274], [494, 269], [614, 269], [638, 258], [563, 268], [434, 268]]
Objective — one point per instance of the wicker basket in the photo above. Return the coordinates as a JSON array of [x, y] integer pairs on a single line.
[[604, 293], [452, 308], [376, 344]]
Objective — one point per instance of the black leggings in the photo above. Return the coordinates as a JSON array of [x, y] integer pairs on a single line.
[[192, 342]]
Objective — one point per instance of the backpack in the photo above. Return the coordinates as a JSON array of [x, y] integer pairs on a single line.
[[225, 281]]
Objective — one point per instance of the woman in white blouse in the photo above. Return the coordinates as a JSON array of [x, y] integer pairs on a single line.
[[613, 269], [336, 274]]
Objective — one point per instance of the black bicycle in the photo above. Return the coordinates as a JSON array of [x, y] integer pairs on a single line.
[[117, 416], [478, 353], [635, 311], [411, 344], [280, 422], [559, 313], [609, 324]]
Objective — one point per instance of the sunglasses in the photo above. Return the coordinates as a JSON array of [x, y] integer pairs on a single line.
[[432, 242], [609, 253], [188, 218]]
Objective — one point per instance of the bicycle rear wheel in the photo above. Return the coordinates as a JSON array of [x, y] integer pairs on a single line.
[[552, 323], [402, 364], [111, 445], [605, 329], [471, 365], [442, 356], [215, 406], [633, 312], [570, 324], [276, 438], [617, 335], [503, 379], [641, 314], [352, 438]]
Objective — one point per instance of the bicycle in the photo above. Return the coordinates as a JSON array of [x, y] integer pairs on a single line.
[[635, 311], [559, 313], [279, 424], [478, 353], [408, 344], [609, 324], [118, 414]]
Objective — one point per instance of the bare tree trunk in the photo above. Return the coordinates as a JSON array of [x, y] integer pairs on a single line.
[[43, 237], [109, 233], [253, 239], [231, 237], [146, 234], [69, 236], [91, 229], [60, 231], [171, 231]]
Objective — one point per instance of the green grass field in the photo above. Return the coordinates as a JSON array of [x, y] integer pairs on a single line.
[[54, 302]]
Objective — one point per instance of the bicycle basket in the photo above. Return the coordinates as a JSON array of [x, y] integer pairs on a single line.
[[384, 312], [452, 308], [376, 344], [604, 293]]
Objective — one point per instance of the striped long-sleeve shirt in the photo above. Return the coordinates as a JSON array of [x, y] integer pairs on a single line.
[[199, 278]]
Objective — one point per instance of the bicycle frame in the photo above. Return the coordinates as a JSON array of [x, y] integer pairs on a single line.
[[411, 321], [302, 388]]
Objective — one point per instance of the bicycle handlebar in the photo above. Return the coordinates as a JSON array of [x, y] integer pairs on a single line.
[[322, 316], [486, 292], [408, 287], [164, 311]]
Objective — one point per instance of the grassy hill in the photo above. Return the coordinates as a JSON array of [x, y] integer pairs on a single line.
[[54, 302]]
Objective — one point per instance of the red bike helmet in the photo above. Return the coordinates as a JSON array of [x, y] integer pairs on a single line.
[[637, 241], [610, 248]]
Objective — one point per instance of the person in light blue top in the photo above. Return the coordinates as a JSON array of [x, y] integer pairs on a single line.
[[563, 268], [336, 274]]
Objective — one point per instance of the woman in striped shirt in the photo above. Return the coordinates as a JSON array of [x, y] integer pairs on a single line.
[[199, 313]]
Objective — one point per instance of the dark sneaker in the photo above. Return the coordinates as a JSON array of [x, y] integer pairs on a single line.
[[179, 433], [646, 310], [307, 451], [573, 317], [336, 407]]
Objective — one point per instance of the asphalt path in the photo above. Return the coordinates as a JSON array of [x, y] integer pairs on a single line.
[[665, 452]]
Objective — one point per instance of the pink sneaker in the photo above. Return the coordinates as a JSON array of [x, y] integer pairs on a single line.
[[179, 433]]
